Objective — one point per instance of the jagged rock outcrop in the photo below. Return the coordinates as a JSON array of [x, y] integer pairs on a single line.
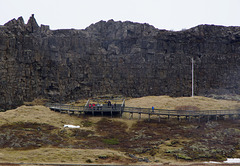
[[115, 58]]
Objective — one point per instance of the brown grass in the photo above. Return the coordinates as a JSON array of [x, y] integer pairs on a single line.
[[166, 102], [58, 155], [187, 107], [37, 114], [37, 101], [80, 102]]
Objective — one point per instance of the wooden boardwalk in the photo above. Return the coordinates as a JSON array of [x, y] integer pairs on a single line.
[[64, 108], [160, 113]]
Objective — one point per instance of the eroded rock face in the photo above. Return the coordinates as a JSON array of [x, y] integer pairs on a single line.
[[115, 58]]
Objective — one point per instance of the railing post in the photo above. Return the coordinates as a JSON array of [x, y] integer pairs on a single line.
[[130, 115], [208, 115], [139, 116], [216, 113], [79, 112], [189, 116]]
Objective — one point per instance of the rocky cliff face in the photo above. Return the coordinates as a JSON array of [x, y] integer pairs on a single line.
[[115, 58]]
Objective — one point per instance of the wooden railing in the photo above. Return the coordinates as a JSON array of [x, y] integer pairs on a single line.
[[71, 108], [181, 112]]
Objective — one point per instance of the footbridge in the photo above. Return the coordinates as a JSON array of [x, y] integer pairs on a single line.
[[117, 107], [93, 106]]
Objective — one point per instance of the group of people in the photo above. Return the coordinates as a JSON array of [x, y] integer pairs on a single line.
[[114, 106], [93, 106]]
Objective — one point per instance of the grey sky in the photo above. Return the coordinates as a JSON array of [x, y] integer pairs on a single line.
[[162, 14]]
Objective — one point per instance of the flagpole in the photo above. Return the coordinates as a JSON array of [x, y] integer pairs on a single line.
[[192, 77]]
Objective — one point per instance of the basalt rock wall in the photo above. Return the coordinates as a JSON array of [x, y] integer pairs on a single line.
[[111, 57]]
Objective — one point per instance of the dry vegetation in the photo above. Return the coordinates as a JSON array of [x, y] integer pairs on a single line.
[[166, 102], [37, 101], [37, 114], [35, 134]]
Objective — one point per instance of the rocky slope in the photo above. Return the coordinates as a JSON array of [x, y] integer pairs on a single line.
[[124, 58]]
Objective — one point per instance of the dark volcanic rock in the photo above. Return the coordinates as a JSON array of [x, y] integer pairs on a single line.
[[115, 58]]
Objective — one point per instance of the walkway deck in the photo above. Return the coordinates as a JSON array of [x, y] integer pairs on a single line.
[[64, 108], [120, 109]]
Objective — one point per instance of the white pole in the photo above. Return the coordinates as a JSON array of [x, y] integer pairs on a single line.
[[192, 77]]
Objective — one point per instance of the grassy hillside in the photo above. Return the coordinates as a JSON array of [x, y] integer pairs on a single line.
[[166, 102], [35, 134]]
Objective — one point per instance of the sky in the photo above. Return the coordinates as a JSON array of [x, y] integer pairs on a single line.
[[162, 14]]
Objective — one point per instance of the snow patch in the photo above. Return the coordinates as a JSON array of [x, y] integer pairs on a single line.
[[71, 126], [211, 162], [229, 161], [232, 160]]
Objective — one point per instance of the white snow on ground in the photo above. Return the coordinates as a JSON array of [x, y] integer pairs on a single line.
[[212, 162], [229, 161], [71, 126], [232, 160]]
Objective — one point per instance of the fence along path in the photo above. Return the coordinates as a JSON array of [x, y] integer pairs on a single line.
[[70, 109], [120, 109]]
